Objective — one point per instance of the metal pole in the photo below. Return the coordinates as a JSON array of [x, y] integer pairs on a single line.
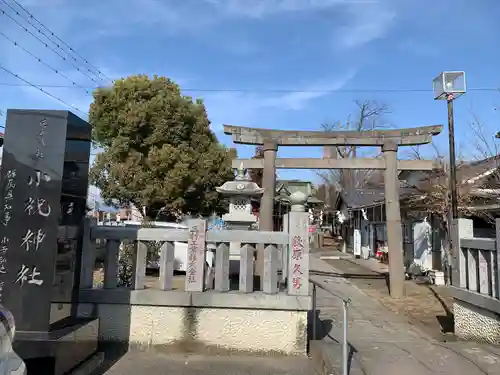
[[453, 189], [314, 312], [453, 171], [345, 344]]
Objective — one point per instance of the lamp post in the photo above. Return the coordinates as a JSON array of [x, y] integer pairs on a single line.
[[449, 86]]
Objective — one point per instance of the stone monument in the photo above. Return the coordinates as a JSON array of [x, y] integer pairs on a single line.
[[240, 215], [44, 177]]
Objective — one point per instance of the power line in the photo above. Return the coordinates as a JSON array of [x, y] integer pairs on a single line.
[[277, 91], [285, 91], [46, 45], [28, 83], [44, 63], [32, 17]]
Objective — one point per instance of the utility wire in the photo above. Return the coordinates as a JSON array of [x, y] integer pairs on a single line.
[[28, 83], [99, 74], [277, 91], [74, 84], [64, 58]]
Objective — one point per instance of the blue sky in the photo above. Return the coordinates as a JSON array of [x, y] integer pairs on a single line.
[[337, 51]]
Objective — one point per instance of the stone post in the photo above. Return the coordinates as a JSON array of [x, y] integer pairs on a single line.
[[270, 149], [285, 250], [298, 258], [393, 214]]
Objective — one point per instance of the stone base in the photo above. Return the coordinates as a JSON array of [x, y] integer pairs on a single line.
[[62, 349], [476, 323], [228, 322]]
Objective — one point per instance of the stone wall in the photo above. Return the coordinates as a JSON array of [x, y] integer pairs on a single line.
[[476, 323], [197, 322]]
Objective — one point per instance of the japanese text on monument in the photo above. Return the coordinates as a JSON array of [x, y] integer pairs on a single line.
[[297, 255], [7, 215], [35, 205], [192, 254]]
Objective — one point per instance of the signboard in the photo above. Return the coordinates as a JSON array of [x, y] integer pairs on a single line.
[[357, 242]]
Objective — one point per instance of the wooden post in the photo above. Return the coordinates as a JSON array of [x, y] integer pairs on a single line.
[[393, 214], [195, 270], [298, 279]]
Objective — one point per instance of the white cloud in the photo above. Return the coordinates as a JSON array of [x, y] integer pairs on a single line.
[[262, 8], [251, 108], [298, 100], [365, 23], [362, 20]]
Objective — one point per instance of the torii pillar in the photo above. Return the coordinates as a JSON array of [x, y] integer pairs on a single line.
[[266, 223], [393, 219]]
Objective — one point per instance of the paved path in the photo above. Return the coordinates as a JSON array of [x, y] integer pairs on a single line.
[[428, 306], [386, 343], [142, 363]]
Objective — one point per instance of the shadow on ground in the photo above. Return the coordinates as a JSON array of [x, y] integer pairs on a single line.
[[317, 329], [112, 354], [447, 322], [368, 276], [320, 330]]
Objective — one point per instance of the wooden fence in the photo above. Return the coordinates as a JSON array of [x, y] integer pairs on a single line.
[[294, 243]]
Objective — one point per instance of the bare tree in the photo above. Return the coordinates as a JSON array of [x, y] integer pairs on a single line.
[[478, 184], [369, 116], [256, 174], [477, 178], [484, 139]]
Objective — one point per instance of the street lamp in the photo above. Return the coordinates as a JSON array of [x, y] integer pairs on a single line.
[[449, 86]]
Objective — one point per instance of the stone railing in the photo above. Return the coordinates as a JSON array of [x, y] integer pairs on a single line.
[[476, 284], [196, 238], [202, 311]]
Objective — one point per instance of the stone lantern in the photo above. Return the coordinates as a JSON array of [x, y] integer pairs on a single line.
[[240, 191], [240, 217]]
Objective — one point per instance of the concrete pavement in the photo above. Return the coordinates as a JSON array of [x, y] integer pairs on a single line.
[[386, 343], [150, 363]]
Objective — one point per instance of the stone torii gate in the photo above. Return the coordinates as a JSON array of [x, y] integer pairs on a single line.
[[388, 140]]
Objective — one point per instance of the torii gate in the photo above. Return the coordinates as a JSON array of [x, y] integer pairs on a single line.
[[388, 140]]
